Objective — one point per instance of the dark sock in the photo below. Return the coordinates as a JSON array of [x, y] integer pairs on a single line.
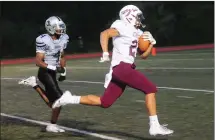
[[53, 122]]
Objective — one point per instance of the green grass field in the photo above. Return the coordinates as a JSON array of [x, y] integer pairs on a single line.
[[185, 101]]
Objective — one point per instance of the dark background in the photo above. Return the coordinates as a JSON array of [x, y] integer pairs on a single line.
[[171, 23]]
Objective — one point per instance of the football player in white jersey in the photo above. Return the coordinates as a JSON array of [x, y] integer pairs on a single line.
[[125, 33], [50, 60]]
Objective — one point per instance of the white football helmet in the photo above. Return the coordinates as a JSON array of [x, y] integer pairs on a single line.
[[55, 25], [132, 15]]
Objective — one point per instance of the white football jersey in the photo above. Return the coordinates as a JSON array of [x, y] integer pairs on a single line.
[[125, 45], [51, 48]]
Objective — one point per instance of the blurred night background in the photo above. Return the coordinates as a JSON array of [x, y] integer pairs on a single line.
[[171, 23]]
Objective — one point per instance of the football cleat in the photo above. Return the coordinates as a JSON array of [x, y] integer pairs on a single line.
[[157, 129], [54, 128], [31, 81], [63, 100]]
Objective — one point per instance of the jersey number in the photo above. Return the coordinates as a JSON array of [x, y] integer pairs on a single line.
[[132, 48], [57, 55]]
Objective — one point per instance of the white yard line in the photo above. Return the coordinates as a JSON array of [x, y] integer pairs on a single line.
[[187, 89], [139, 68], [63, 127], [140, 101], [187, 97], [207, 93], [101, 83]]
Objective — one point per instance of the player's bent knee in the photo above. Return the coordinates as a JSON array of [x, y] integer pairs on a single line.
[[105, 103]]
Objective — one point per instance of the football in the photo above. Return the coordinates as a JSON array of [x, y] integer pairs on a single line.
[[143, 44]]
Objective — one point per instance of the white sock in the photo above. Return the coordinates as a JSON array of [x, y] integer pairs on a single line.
[[34, 85], [153, 119], [74, 100]]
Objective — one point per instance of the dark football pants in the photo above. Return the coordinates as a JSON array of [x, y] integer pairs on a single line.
[[48, 79]]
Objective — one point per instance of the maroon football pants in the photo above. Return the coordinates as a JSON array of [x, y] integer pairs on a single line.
[[124, 75]]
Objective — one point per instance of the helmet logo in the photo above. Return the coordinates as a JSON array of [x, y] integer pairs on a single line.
[[128, 11], [48, 23], [134, 10]]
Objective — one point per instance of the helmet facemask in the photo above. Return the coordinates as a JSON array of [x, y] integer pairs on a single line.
[[139, 21], [60, 29]]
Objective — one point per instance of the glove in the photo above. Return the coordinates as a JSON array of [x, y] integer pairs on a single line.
[[62, 76], [60, 70], [105, 57], [148, 36]]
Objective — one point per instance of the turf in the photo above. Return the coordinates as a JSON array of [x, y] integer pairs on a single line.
[[188, 113]]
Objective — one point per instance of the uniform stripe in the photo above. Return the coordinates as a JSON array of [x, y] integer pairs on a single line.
[[58, 18], [41, 46], [39, 42]]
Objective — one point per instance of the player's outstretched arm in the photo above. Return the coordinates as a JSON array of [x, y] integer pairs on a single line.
[[147, 52]]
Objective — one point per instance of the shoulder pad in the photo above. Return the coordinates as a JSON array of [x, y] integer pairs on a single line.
[[119, 25], [41, 39]]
